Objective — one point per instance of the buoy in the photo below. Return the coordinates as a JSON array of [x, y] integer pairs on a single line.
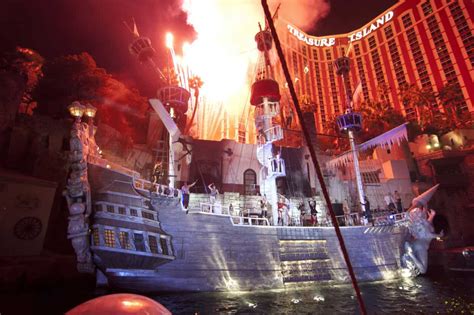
[[120, 304]]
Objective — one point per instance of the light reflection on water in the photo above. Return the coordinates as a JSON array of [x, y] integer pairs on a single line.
[[403, 296], [444, 294]]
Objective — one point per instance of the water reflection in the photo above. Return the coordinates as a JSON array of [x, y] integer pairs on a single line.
[[403, 296]]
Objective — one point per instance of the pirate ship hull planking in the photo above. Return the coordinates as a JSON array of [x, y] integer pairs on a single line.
[[145, 241]]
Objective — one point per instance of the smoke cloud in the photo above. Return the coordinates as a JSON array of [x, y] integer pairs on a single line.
[[302, 13]]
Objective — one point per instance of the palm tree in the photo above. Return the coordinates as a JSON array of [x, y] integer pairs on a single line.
[[422, 101], [450, 96], [195, 83]]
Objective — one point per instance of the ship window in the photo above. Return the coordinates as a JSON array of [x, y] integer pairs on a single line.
[[98, 207], [121, 210], [95, 236], [164, 246], [139, 243], [250, 182], [110, 208], [134, 212], [124, 240], [109, 238], [153, 244], [147, 215]]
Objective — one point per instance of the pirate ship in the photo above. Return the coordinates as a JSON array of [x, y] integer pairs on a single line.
[[135, 233]]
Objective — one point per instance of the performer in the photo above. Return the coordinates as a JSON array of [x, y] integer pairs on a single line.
[[314, 212], [398, 200], [185, 192], [213, 193]]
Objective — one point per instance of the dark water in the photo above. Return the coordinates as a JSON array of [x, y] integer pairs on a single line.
[[424, 295]]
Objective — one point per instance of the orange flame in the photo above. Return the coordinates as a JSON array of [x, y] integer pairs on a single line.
[[224, 53]]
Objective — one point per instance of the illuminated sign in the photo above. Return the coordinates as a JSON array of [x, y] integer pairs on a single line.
[[366, 31], [312, 41], [330, 41]]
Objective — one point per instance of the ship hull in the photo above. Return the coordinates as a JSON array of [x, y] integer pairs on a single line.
[[212, 254]]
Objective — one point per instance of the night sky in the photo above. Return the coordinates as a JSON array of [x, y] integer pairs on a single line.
[[58, 27]]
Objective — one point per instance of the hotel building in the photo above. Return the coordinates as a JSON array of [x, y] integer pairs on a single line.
[[426, 43]]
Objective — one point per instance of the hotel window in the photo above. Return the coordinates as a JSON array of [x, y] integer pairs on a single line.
[[164, 246], [443, 54], [372, 42], [124, 240], [357, 49], [303, 50], [295, 63], [463, 29], [427, 9], [418, 58], [317, 73], [134, 212], [396, 62], [250, 182], [110, 208], [332, 80], [153, 244], [121, 210], [139, 242], [388, 32], [147, 215], [315, 54], [377, 66], [95, 236], [362, 78], [109, 237], [406, 20]]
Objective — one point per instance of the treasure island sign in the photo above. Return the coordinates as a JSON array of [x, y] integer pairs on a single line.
[[330, 41]]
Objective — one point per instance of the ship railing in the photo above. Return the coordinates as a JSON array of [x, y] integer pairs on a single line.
[[161, 190], [270, 135], [250, 220], [276, 167], [215, 208], [268, 109], [350, 219], [97, 160]]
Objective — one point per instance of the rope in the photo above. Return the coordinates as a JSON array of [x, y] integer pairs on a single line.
[[313, 155]]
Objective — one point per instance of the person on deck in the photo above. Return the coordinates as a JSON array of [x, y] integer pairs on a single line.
[[280, 205], [185, 192], [389, 201], [157, 172], [314, 212], [367, 211], [398, 200], [302, 210], [263, 206], [213, 193]]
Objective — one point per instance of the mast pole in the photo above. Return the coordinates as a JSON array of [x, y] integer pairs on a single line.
[[313, 154], [350, 134]]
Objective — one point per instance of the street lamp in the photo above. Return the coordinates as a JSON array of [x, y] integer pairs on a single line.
[[90, 111], [76, 110]]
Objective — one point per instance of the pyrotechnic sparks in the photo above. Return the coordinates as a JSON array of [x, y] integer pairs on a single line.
[[224, 55]]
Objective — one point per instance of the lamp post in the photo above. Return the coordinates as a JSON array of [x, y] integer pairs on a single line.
[[76, 110], [350, 122]]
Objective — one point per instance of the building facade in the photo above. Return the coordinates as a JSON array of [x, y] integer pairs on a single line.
[[426, 43]]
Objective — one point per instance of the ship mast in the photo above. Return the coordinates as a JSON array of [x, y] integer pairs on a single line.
[[265, 96], [173, 100], [350, 122]]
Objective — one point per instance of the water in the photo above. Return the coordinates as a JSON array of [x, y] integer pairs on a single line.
[[423, 295]]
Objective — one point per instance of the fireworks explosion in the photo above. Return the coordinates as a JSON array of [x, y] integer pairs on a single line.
[[224, 55]]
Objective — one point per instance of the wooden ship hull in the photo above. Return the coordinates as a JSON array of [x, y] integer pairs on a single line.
[[201, 251]]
